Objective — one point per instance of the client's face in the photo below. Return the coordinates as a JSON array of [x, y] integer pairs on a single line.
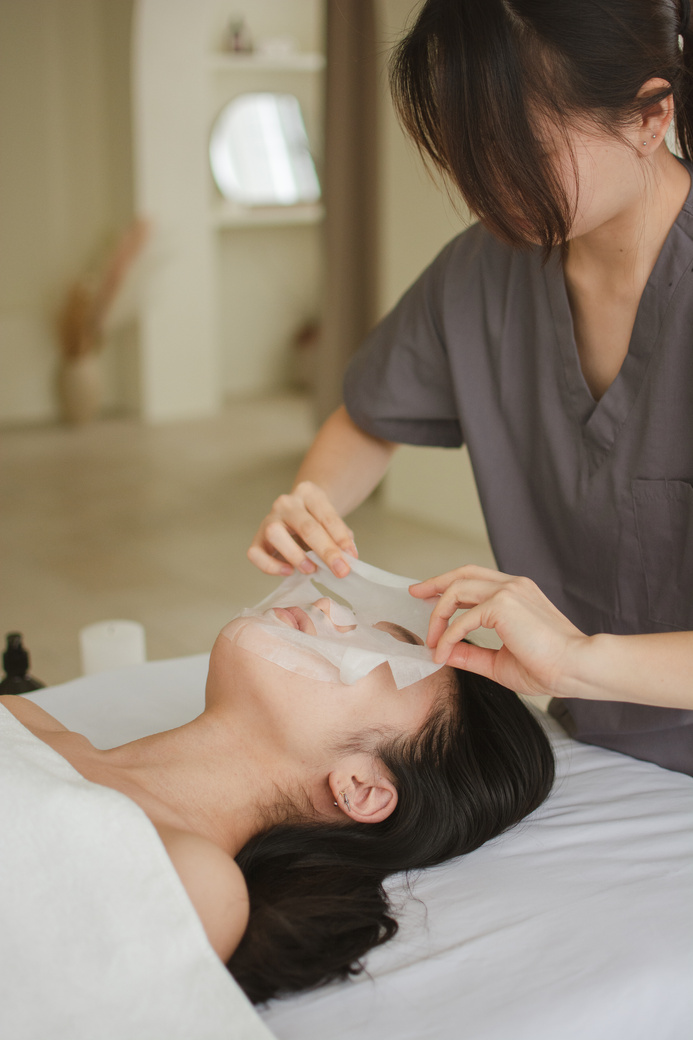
[[301, 704]]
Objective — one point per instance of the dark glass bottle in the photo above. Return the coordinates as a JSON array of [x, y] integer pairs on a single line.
[[15, 661]]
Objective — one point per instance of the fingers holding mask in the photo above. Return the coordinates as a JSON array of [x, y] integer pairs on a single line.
[[537, 639], [475, 597], [463, 588], [267, 557], [301, 521], [438, 585]]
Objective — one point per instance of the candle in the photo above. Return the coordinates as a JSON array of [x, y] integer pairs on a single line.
[[111, 644]]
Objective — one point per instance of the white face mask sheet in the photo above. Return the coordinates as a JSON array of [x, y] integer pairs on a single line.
[[365, 597]]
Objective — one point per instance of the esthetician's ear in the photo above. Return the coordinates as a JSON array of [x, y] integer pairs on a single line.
[[653, 122], [362, 791]]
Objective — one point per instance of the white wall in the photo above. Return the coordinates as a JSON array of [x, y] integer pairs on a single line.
[[269, 279], [65, 185], [178, 340], [223, 305], [434, 485]]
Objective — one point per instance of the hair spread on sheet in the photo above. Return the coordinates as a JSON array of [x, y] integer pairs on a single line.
[[346, 645]]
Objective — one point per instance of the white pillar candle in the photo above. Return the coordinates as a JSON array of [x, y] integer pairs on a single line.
[[111, 644]]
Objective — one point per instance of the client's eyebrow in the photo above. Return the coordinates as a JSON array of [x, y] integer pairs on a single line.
[[399, 632]]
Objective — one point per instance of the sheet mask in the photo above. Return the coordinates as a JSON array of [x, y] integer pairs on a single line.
[[365, 597]]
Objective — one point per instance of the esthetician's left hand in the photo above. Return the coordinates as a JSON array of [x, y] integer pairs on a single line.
[[539, 642]]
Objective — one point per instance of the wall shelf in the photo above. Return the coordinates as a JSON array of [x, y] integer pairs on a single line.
[[230, 215], [306, 61]]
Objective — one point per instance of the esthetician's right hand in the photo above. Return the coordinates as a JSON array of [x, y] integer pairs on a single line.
[[302, 520]]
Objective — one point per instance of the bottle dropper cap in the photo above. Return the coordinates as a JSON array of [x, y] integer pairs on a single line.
[[15, 659]]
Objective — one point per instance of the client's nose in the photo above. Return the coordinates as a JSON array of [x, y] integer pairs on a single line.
[[327, 607]]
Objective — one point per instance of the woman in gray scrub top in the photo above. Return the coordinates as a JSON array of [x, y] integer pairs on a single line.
[[555, 338]]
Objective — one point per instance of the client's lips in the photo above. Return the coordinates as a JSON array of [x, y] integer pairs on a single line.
[[296, 618]]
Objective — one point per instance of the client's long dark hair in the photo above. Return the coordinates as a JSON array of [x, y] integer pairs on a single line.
[[317, 904]]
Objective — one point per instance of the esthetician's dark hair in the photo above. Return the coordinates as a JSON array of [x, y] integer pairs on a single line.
[[478, 765], [473, 81]]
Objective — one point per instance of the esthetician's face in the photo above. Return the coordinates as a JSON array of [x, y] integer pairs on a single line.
[[305, 717], [604, 175], [601, 173], [604, 180]]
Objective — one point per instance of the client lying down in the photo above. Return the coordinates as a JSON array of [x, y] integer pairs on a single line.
[[332, 752]]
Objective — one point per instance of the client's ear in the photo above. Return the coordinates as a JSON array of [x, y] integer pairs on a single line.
[[362, 790]]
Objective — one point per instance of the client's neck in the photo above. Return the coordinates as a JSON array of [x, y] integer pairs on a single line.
[[202, 777]]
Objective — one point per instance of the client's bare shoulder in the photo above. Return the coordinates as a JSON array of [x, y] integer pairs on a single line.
[[30, 715], [215, 886]]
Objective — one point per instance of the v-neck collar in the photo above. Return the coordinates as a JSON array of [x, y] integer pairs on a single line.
[[601, 420]]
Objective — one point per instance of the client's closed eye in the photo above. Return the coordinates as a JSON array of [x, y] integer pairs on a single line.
[[403, 634]]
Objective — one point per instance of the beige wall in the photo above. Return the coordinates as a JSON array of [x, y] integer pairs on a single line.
[[417, 217], [65, 184], [434, 485], [67, 167]]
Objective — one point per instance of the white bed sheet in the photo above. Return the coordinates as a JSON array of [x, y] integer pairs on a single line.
[[577, 924]]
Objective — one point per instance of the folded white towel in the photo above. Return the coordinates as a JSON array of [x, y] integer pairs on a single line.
[[97, 935]]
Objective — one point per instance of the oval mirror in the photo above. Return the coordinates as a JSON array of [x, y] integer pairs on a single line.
[[259, 152]]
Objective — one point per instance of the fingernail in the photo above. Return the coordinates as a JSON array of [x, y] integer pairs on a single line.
[[353, 550], [287, 571], [307, 567], [340, 568]]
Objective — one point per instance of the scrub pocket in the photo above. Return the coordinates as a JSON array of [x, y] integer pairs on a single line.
[[664, 522]]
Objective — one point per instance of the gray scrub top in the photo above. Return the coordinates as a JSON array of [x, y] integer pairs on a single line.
[[591, 499]]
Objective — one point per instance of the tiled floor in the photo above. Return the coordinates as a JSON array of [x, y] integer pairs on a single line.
[[119, 520]]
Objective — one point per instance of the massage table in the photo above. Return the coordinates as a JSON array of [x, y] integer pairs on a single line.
[[575, 925]]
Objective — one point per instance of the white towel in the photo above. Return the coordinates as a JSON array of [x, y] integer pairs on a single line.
[[98, 940]]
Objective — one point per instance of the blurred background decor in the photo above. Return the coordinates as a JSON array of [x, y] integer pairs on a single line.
[[85, 318], [240, 327]]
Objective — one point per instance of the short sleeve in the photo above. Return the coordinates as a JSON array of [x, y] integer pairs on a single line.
[[399, 385]]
